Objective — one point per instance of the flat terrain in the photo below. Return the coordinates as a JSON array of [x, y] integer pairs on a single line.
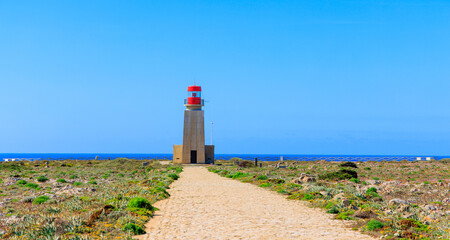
[[204, 205]]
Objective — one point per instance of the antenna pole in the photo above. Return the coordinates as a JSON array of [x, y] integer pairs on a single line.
[[211, 133]]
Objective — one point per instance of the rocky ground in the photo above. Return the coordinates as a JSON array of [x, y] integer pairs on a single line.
[[388, 200], [80, 199]]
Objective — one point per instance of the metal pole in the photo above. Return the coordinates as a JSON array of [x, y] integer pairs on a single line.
[[211, 132]]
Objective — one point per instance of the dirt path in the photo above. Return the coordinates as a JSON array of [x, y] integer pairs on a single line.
[[204, 205]]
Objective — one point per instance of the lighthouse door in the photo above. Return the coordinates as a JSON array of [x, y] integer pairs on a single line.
[[193, 156]]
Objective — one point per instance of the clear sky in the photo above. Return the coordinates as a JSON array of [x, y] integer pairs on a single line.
[[299, 77]]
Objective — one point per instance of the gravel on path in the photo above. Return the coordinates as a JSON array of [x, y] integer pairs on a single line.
[[204, 205]]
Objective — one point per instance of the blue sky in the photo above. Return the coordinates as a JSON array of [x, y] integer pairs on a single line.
[[299, 77]]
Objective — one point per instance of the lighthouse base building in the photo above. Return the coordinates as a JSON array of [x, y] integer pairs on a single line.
[[193, 149]]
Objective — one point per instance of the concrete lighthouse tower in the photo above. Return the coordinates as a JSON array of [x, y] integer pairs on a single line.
[[193, 149]]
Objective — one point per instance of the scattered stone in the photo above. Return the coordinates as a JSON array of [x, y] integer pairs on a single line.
[[345, 202], [409, 215], [429, 208], [446, 201], [338, 196], [397, 201], [374, 182], [326, 194], [403, 208], [363, 214], [304, 178]]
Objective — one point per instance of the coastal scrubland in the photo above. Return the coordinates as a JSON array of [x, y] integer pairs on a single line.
[[388, 199], [108, 199]]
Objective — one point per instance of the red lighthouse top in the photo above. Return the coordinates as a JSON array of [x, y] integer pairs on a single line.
[[194, 96]]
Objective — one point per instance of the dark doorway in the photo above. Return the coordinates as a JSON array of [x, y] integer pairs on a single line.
[[193, 156]]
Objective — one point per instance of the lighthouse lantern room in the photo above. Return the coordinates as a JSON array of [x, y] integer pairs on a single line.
[[193, 149]]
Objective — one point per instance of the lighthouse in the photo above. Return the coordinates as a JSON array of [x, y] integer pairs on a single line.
[[193, 149]]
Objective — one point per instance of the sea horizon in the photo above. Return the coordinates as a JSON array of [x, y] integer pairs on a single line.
[[221, 156]]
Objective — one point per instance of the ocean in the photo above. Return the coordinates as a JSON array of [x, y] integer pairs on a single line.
[[168, 156]]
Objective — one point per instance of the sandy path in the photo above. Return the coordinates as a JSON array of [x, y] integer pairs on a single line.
[[204, 205]]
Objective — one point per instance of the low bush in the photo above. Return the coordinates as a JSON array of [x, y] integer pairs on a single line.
[[246, 164], [374, 225], [139, 202], [262, 177], [345, 215], [333, 210], [77, 183], [32, 185], [339, 175], [131, 227], [372, 189], [40, 199], [348, 164], [174, 176], [42, 179], [239, 175], [21, 182], [355, 180], [265, 184], [61, 180], [92, 182]]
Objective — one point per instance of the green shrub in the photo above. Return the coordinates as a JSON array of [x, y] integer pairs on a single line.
[[174, 176], [131, 227], [42, 179], [40, 199], [262, 177], [307, 197], [265, 185], [139, 202], [372, 189], [92, 182], [239, 175], [1, 180], [374, 225], [21, 182], [339, 175], [355, 180], [246, 164], [32, 185], [120, 175], [77, 183], [333, 210], [61, 180], [73, 177], [349, 164], [345, 215]]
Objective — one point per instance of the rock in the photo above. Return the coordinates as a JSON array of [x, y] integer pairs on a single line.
[[414, 190], [403, 208], [388, 212], [429, 208], [304, 179], [338, 196], [446, 201], [345, 202], [93, 190], [441, 184], [447, 213], [363, 214], [374, 182], [397, 201], [409, 215], [326, 194], [12, 220]]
